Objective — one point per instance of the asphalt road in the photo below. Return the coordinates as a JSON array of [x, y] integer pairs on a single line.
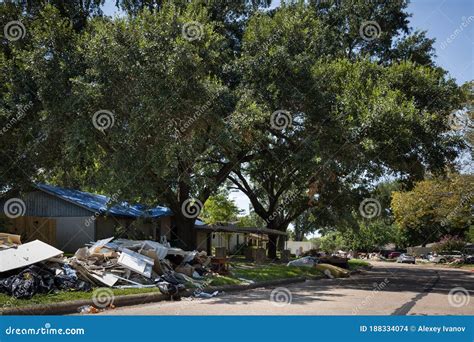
[[387, 289]]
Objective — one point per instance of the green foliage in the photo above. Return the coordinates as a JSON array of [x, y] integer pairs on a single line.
[[251, 220], [359, 110], [304, 224], [470, 234], [219, 209], [450, 243], [370, 236], [189, 114], [434, 208], [332, 242]]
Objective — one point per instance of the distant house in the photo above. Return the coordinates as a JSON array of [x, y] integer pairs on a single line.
[[303, 246], [231, 236], [68, 218]]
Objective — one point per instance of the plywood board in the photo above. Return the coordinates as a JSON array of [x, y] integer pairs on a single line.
[[28, 254]]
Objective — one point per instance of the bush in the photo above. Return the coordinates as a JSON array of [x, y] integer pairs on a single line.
[[449, 243]]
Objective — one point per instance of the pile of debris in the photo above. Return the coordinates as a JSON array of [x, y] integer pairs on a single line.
[[139, 264], [36, 267], [329, 266]]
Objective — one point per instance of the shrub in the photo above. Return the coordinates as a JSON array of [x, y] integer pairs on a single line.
[[449, 243]]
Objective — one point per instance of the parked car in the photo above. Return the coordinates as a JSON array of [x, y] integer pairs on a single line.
[[406, 259], [469, 259], [443, 257], [394, 255]]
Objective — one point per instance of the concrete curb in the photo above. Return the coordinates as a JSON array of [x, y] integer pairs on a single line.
[[71, 307]]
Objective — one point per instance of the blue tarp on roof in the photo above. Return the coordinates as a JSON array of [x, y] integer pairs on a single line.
[[198, 222], [99, 203]]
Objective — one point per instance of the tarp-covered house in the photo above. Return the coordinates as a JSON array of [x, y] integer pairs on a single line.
[[68, 218]]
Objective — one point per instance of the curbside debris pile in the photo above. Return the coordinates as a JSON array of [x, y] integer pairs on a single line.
[[36, 267], [328, 266]]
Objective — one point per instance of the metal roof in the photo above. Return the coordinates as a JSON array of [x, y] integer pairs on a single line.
[[100, 203]]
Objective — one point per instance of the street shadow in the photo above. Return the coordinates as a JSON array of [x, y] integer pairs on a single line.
[[381, 278]]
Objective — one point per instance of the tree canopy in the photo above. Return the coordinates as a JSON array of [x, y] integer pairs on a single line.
[[434, 208], [302, 108]]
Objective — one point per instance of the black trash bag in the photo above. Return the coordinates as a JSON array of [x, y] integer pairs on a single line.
[[68, 280], [28, 282], [167, 288], [170, 278]]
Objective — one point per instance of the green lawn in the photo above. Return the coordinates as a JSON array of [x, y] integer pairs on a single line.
[[357, 263], [7, 301], [271, 271], [224, 280]]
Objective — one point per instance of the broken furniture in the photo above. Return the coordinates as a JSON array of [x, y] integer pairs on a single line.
[[220, 265]]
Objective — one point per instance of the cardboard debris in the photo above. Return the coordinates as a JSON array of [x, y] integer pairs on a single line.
[[185, 269], [9, 240], [27, 254], [99, 244]]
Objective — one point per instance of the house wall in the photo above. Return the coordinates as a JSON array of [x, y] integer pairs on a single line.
[[201, 241], [294, 245], [228, 240], [39, 203], [151, 229], [73, 233], [105, 227], [417, 251]]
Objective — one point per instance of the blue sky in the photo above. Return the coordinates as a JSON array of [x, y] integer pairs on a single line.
[[450, 22], [442, 19]]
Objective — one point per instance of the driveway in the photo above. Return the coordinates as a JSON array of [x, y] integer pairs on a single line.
[[387, 289]]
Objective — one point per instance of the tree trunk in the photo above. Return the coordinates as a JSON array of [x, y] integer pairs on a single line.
[[184, 235], [272, 246], [273, 239]]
